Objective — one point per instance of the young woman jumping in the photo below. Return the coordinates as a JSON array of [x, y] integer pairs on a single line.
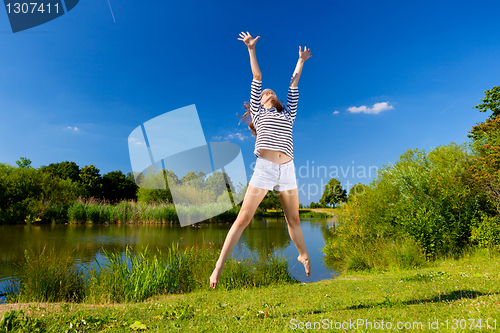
[[272, 124]]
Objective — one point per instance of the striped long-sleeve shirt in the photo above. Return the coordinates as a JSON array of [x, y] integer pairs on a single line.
[[274, 129]]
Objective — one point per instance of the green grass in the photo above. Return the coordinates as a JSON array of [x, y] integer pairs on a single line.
[[312, 214], [306, 213], [466, 289]]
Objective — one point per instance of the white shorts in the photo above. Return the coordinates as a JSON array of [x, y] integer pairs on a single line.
[[273, 176]]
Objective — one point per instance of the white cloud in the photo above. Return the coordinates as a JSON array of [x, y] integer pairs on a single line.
[[375, 109], [76, 129], [136, 141], [336, 112], [236, 135]]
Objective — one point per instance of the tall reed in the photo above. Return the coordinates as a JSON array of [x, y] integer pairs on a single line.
[[128, 278], [93, 211], [46, 277], [134, 277]]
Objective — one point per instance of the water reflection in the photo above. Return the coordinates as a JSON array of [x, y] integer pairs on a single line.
[[85, 242]]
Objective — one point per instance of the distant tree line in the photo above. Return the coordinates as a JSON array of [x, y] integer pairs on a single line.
[[44, 194], [30, 195]]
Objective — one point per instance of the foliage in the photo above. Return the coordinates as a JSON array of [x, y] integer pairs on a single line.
[[486, 169], [35, 193], [116, 186], [426, 201], [333, 193], [486, 231], [63, 170], [358, 245], [50, 193], [193, 189], [437, 200], [91, 180], [357, 190], [317, 205], [271, 201], [147, 195], [18, 321], [312, 214], [490, 102], [216, 183], [24, 163]]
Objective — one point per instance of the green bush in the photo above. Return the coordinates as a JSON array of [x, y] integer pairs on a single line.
[[437, 200], [77, 213], [425, 201], [26, 191], [486, 231]]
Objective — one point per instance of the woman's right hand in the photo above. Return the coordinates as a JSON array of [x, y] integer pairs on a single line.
[[248, 39]]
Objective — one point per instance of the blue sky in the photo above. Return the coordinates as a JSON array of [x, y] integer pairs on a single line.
[[73, 89]]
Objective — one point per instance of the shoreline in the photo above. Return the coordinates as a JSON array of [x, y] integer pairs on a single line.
[[302, 211]]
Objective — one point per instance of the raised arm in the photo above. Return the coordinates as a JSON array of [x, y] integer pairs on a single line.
[[250, 43], [303, 56]]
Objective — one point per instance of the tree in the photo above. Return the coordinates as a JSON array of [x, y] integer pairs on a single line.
[[196, 180], [91, 180], [63, 170], [486, 169], [357, 190], [334, 193], [486, 145], [24, 163], [151, 190], [216, 184], [490, 102], [270, 201], [116, 186], [313, 205]]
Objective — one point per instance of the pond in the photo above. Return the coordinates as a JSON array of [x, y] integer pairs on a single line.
[[86, 242]]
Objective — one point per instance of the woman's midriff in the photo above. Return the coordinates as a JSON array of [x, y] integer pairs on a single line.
[[275, 156]]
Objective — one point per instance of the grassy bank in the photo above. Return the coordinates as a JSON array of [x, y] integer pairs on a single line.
[[461, 292], [135, 277], [303, 212]]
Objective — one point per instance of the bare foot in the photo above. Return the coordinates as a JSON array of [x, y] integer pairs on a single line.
[[307, 264], [214, 278]]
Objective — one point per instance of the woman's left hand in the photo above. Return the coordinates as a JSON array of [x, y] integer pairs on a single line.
[[306, 54]]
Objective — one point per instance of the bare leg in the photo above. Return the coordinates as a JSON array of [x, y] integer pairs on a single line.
[[290, 201], [253, 197]]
